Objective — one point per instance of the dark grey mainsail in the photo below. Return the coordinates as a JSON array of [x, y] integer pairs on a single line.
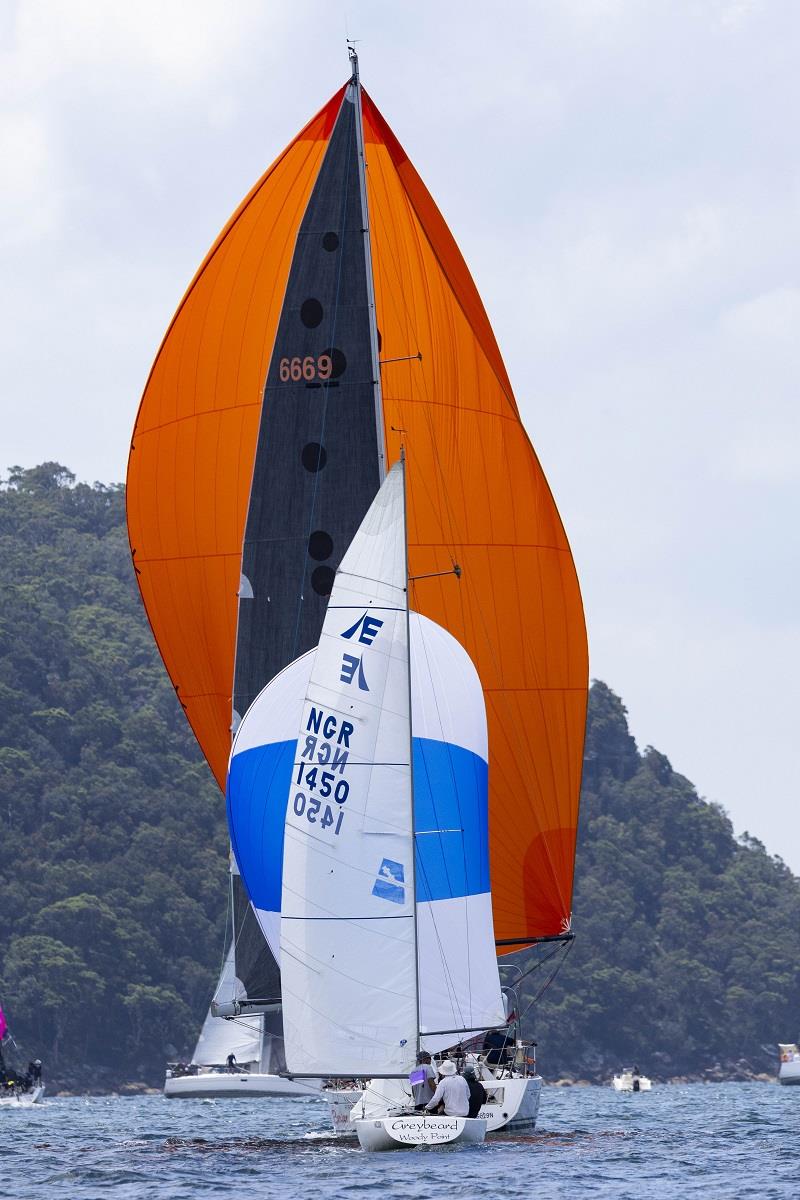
[[319, 458]]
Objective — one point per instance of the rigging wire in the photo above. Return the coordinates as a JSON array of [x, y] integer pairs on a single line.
[[563, 949]]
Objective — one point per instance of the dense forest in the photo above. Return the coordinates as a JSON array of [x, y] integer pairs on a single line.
[[113, 849], [113, 853], [686, 958]]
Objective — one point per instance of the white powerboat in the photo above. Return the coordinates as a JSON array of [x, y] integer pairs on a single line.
[[629, 1080], [789, 1071]]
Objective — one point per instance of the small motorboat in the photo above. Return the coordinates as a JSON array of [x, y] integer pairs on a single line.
[[630, 1079], [789, 1071]]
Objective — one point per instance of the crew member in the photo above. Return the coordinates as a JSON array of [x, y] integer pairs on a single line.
[[477, 1092], [230, 1063], [422, 1080], [497, 1043], [452, 1092]]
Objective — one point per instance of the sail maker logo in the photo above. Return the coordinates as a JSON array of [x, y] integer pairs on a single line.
[[390, 883], [367, 629]]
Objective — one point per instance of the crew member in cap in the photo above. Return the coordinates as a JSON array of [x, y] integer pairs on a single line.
[[422, 1080], [452, 1092]]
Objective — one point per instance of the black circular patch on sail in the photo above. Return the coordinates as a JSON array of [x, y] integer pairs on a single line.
[[338, 361], [311, 313], [313, 456], [322, 580], [320, 545], [330, 241]]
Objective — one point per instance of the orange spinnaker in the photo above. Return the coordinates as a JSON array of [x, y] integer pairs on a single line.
[[477, 496]]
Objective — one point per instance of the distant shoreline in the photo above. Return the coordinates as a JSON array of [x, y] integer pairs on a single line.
[[138, 1088]]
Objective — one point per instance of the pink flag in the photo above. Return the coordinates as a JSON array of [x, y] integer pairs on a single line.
[[3, 1025]]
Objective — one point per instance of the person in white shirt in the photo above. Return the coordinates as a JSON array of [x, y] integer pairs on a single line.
[[452, 1092]]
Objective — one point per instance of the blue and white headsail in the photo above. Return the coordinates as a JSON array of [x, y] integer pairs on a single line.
[[374, 940]]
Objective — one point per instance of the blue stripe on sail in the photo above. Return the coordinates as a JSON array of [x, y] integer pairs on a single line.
[[451, 819], [257, 793]]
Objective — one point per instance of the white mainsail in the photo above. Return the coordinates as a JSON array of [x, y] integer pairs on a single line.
[[220, 1037], [348, 945]]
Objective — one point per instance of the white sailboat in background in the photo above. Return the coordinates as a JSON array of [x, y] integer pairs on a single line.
[[385, 933], [253, 1038]]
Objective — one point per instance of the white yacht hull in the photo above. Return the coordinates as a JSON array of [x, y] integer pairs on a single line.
[[344, 1107], [789, 1072], [416, 1129], [512, 1105], [23, 1099], [216, 1085]]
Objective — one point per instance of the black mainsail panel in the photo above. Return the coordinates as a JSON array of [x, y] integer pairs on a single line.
[[317, 460]]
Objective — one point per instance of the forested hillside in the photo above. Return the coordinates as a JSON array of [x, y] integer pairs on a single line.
[[687, 954], [114, 864], [112, 839]]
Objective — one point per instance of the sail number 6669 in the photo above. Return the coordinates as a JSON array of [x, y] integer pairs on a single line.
[[310, 367]]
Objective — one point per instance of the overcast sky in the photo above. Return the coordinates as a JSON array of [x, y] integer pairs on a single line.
[[622, 178]]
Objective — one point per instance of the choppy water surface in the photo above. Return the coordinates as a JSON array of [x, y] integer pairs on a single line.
[[722, 1140]]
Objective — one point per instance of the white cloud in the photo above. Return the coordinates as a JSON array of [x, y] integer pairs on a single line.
[[29, 202]]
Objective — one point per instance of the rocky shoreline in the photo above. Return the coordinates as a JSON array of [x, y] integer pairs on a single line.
[[715, 1074]]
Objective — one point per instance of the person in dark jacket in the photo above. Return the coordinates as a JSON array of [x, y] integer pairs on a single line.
[[498, 1044], [477, 1092]]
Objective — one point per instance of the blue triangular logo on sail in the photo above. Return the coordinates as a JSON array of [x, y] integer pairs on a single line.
[[390, 884]]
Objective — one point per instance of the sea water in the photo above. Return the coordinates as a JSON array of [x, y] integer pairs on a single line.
[[712, 1140]]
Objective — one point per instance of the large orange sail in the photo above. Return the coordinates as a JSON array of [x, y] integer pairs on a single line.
[[477, 496]]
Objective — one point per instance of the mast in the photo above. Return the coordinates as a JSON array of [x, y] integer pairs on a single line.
[[411, 750], [355, 84]]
